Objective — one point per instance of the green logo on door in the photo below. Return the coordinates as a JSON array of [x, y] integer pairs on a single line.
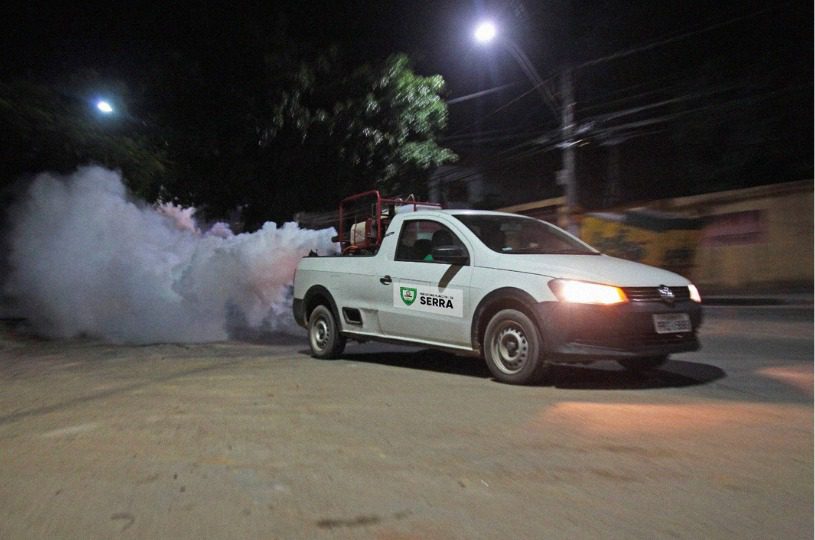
[[408, 295]]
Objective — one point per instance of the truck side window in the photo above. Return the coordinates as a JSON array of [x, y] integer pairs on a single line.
[[418, 238]]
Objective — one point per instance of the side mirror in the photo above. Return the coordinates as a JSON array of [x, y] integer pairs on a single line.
[[451, 255]]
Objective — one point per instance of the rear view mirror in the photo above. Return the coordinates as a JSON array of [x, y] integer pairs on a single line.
[[451, 255]]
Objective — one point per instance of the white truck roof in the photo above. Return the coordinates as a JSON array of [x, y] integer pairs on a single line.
[[464, 212]]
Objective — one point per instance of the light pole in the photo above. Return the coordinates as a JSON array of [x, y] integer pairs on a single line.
[[487, 32], [566, 175]]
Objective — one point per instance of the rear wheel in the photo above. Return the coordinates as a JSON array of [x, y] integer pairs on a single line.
[[512, 348], [643, 364], [324, 334]]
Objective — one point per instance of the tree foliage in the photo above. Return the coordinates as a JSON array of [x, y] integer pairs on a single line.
[[301, 135], [386, 128]]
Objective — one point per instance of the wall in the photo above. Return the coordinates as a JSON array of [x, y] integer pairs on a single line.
[[759, 237], [754, 237]]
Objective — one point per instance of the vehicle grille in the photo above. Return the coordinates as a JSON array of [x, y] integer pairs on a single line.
[[651, 294]]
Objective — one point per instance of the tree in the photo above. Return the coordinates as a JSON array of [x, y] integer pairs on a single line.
[[388, 126], [296, 135]]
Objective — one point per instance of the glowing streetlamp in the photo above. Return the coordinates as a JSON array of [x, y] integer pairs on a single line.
[[485, 32], [104, 106]]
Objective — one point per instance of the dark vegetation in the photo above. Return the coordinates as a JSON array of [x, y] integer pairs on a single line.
[[225, 113]]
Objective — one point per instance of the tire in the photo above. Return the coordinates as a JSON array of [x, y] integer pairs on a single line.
[[323, 334], [643, 364], [513, 348]]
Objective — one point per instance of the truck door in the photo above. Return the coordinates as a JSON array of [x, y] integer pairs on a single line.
[[423, 299]]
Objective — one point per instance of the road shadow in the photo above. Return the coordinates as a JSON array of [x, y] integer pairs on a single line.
[[606, 375], [425, 360]]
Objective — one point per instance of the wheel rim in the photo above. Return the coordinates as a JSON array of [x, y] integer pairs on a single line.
[[510, 349], [320, 333]]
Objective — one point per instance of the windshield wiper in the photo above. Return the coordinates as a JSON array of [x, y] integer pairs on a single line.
[[572, 252], [539, 251]]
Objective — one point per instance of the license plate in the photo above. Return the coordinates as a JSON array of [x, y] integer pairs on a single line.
[[672, 323]]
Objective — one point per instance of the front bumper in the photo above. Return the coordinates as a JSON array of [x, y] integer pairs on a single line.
[[580, 332]]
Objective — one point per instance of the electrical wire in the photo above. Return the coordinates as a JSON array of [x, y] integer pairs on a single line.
[[679, 99], [499, 109], [627, 131], [475, 95], [678, 37], [725, 105], [590, 106], [477, 141]]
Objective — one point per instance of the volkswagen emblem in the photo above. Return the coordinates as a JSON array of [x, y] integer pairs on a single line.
[[666, 294]]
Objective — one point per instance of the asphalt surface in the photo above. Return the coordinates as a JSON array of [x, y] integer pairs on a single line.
[[258, 440]]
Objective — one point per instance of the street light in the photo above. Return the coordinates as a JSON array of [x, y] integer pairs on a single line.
[[104, 106], [485, 32]]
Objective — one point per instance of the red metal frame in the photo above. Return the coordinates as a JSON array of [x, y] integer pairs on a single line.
[[345, 243]]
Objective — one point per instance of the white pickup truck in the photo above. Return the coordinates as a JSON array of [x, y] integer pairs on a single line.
[[517, 291]]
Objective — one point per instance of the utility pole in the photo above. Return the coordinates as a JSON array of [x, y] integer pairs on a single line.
[[612, 191], [566, 176]]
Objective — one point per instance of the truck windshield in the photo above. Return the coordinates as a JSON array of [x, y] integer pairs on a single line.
[[522, 235]]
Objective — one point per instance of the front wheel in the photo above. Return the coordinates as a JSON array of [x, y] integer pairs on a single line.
[[324, 334], [512, 348]]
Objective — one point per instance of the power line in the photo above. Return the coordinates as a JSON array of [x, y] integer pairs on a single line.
[[607, 116], [627, 112], [661, 90], [639, 128], [476, 140], [471, 134], [541, 85], [627, 52], [529, 69], [521, 149], [545, 141], [724, 105], [488, 91], [499, 109]]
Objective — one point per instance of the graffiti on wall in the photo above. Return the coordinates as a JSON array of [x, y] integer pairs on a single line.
[[734, 228], [619, 245], [657, 239]]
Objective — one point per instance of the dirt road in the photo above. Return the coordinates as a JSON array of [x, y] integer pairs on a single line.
[[257, 440]]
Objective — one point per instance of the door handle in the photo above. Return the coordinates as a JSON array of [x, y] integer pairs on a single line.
[[386, 280]]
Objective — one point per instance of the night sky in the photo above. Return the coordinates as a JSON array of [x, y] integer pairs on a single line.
[[743, 67]]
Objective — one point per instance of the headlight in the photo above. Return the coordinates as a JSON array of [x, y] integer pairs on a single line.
[[694, 294], [583, 292]]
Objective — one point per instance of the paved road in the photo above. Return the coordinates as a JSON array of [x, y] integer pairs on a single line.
[[257, 440]]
